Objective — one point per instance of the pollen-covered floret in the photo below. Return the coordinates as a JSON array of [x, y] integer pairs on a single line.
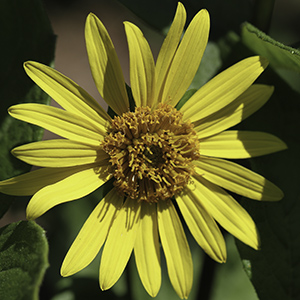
[[151, 152]]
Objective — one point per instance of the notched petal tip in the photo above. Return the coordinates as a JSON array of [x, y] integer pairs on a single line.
[[10, 109], [25, 64], [13, 152], [204, 19], [63, 272], [104, 286], [205, 13], [180, 10], [91, 19], [31, 212], [30, 66], [28, 63], [30, 217], [91, 15], [132, 26]]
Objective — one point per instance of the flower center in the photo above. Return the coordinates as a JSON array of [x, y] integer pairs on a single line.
[[151, 152]]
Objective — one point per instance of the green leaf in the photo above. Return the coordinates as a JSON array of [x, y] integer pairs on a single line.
[[187, 95], [278, 54], [273, 269], [23, 260], [210, 65], [26, 34], [231, 282], [159, 13]]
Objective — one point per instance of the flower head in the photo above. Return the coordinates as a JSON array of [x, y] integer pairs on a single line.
[[155, 154]]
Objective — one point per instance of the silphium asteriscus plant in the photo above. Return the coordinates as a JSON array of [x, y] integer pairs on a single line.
[[163, 161]]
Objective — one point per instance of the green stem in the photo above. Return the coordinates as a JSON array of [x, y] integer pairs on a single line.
[[262, 17], [207, 279], [128, 272]]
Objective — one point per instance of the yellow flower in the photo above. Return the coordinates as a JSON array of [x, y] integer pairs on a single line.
[[156, 155]]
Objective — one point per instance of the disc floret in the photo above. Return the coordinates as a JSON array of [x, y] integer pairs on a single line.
[[151, 152]]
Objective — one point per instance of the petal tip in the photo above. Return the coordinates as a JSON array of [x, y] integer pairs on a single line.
[[103, 285], [128, 24], [91, 17], [63, 272], [278, 195], [264, 62], [205, 12], [30, 214], [27, 65]]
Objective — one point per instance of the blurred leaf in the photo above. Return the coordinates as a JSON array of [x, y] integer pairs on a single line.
[[279, 55], [26, 34], [231, 282], [23, 260], [166, 291], [210, 65], [187, 95], [224, 15], [159, 13], [81, 288]]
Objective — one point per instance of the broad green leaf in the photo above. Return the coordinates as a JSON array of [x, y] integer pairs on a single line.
[[26, 34], [23, 260], [273, 269], [278, 54]]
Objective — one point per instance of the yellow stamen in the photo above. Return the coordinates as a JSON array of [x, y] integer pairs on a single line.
[[151, 152]]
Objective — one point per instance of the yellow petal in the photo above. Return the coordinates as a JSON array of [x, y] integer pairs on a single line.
[[241, 108], [202, 226], [237, 179], [92, 234], [61, 122], [105, 65], [59, 153], [176, 249], [119, 244], [225, 210], [223, 88], [146, 250], [187, 59], [142, 70], [241, 144], [82, 182], [66, 92], [168, 50], [29, 183]]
